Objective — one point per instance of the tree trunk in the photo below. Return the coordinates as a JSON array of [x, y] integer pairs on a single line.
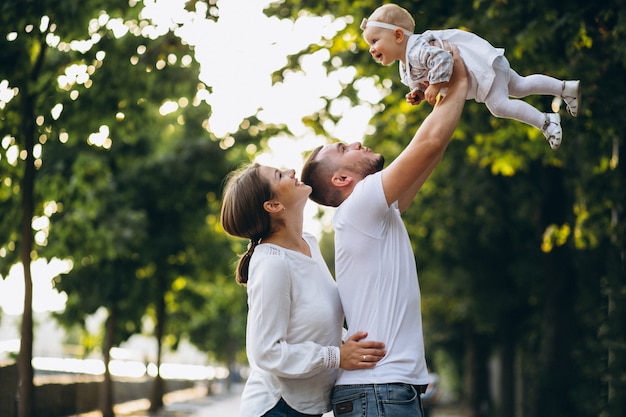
[[230, 360], [506, 406], [156, 396], [616, 310], [469, 397], [106, 391], [476, 378], [554, 371], [25, 367], [549, 394]]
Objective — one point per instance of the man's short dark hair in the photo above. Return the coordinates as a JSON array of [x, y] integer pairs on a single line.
[[318, 174]]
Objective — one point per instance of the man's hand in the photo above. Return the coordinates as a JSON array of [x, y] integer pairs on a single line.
[[459, 72], [432, 92]]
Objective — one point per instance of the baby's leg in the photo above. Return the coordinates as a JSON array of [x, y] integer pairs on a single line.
[[535, 84], [499, 103], [569, 91]]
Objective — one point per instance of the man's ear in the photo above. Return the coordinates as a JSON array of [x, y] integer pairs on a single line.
[[342, 179], [273, 206]]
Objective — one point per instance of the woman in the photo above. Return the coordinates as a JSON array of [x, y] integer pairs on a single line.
[[295, 317]]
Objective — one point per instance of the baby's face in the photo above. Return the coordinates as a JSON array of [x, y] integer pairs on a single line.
[[385, 45]]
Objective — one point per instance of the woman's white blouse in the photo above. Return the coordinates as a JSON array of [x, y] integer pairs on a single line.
[[293, 332]]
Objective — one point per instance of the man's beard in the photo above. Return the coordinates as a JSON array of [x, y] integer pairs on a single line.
[[370, 166]]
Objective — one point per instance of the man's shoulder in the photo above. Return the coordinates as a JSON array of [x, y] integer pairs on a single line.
[[369, 181], [364, 195]]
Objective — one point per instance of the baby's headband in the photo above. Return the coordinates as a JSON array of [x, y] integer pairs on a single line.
[[365, 23]]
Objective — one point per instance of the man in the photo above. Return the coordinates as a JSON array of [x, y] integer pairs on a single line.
[[375, 265]]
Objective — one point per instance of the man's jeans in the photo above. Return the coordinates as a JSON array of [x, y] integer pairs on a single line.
[[377, 400]]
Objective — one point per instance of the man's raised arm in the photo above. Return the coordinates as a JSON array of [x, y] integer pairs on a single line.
[[403, 178]]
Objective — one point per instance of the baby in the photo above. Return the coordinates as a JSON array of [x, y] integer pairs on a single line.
[[426, 67]]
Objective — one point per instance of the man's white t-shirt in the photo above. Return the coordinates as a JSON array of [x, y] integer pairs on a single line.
[[377, 282]]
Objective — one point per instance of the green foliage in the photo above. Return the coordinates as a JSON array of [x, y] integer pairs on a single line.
[[132, 195], [515, 244], [518, 248]]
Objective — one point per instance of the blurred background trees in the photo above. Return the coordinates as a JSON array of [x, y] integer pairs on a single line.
[[520, 249], [107, 126]]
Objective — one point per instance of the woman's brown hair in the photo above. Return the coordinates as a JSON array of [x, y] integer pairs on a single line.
[[243, 214]]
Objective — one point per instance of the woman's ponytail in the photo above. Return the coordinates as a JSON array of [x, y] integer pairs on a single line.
[[244, 263]]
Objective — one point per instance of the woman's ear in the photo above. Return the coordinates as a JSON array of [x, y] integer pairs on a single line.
[[273, 206]]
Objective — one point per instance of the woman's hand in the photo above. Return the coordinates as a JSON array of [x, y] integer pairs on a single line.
[[360, 355]]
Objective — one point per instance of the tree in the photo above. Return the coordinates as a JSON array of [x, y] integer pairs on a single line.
[[92, 84], [178, 192], [35, 28], [519, 248], [164, 171], [138, 166]]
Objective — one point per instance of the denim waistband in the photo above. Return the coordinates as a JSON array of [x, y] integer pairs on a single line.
[[420, 388]]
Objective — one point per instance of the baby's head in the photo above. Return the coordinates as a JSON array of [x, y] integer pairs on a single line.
[[387, 32], [394, 15]]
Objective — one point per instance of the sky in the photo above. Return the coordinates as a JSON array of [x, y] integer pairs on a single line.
[[237, 55], [45, 297]]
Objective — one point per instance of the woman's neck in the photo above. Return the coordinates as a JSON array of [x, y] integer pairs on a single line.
[[289, 238]]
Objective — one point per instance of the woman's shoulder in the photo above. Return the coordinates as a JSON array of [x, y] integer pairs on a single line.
[[269, 261], [269, 251]]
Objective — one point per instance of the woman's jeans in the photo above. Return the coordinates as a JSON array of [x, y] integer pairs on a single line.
[[282, 409], [374, 400]]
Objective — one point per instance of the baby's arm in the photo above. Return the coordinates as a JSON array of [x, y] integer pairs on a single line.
[[415, 96], [440, 64]]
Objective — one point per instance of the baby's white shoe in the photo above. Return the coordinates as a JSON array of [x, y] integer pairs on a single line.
[[571, 96], [552, 130]]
